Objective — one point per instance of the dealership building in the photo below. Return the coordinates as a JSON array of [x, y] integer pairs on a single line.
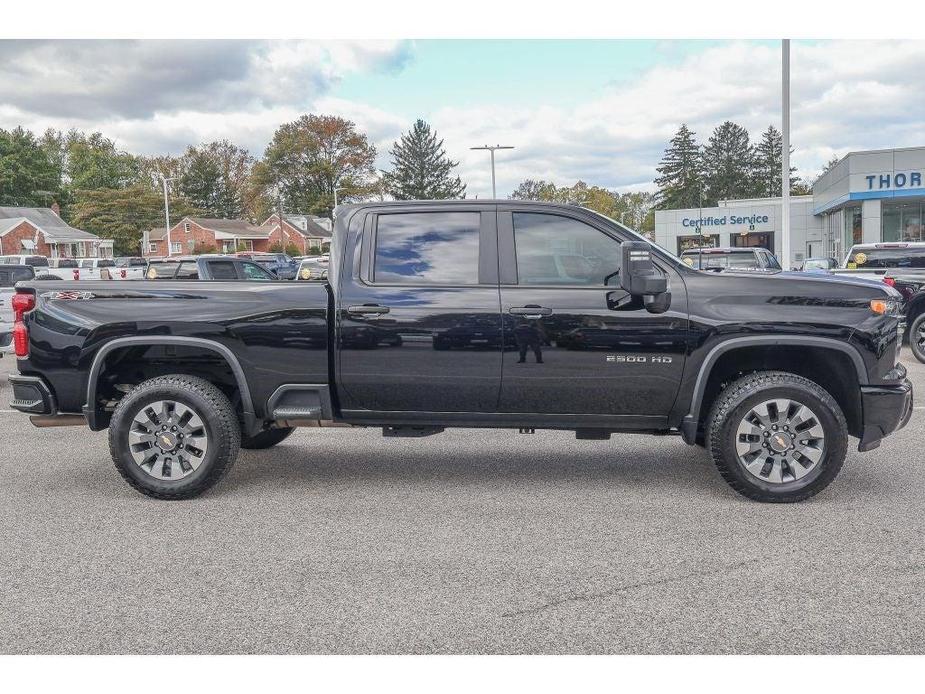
[[868, 197]]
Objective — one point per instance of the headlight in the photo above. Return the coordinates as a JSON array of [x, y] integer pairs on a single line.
[[887, 307]]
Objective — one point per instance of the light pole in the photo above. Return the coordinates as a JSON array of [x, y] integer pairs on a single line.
[[785, 159], [167, 213], [492, 148]]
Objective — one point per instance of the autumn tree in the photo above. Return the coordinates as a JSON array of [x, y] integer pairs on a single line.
[[311, 157], [215, 178]]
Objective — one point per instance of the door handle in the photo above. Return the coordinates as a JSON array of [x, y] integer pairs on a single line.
[[368, 309], [530, 312]]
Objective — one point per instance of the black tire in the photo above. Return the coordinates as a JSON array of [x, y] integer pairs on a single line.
[[219, 424], [265, 439], [736, 401], [917, 337]]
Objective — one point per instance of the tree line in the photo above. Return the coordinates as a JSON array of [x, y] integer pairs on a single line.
[[117, 195], [729, 166]]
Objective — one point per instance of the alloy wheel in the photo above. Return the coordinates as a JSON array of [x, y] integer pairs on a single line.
[[168, 440], [780, 441]]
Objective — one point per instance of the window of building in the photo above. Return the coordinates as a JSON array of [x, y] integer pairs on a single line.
[[902, 222], [556, 250], [245, 245], [687, 243], [187, 227], [427, 248], [152, 248], [853, 228], [176, 247]]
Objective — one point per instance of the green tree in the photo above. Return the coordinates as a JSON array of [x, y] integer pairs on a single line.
[[531, 189], [729, 165], [93, 162], [123, 214], [421, 170], [28, 176], [311, 157], [769, 154], [680, 177], [215, 179]]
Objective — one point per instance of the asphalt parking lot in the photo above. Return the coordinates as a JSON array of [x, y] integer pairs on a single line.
[[340, 541]]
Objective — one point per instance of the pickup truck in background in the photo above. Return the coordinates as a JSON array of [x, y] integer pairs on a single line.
[[130, 268], [731, 258], [207, 267], [9, 276], [901, 265], [506, 314]]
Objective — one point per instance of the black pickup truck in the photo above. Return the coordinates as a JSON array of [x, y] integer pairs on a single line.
[[504, 314]]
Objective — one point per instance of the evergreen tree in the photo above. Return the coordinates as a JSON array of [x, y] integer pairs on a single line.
[[768, 161], [729, 165], [681, 172], [27, 173], [421, 170]]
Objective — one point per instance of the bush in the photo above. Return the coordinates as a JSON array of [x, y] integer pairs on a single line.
[[276, 248], [292, 250]]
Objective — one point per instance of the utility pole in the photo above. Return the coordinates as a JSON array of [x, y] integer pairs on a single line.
[[785, 158], [492, 148], [167, 214], [335, 201]]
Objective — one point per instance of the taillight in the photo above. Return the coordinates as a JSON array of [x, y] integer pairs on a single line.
[[889, 281], [76, 274], [21, 303], [123, 274]]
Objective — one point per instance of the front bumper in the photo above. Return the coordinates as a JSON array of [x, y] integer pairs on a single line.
[[885, 409]]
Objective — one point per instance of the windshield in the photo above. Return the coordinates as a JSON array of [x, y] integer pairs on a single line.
[[893, 256], [817, 264], [720, 261]]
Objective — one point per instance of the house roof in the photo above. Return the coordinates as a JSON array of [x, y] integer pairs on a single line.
[[226, 228], [303, 224], [46, 221]]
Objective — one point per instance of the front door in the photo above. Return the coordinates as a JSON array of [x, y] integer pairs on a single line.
[[419, 324], [575, 343]]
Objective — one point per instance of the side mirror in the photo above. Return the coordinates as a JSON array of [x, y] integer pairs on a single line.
[[638, 274]]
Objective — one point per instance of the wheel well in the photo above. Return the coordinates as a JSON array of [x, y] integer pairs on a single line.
[[832, 369], [916, 308], [126, 367]]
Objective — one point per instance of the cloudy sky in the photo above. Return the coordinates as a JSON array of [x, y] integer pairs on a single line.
[[601, 111]]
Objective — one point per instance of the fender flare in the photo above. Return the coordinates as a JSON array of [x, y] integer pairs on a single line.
[[89, 409], [691, 420]]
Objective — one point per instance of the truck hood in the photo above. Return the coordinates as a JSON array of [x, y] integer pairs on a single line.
[[810, 284]]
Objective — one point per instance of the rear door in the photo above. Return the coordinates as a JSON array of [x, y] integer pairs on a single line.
[[577, 344], [418, 319]]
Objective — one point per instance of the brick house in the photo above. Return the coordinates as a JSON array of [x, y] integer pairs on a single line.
[[40, 231], [301, 231], [203, 234]]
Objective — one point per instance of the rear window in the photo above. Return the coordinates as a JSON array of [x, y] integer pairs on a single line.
[[427, 248], [37, 261], [222, 270], [188, 270], [706, 261], [11, 275], [105, 263], [161, 271], [862, 258], [66, 262]]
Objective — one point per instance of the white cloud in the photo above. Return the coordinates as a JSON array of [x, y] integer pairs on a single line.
[[845, 96]]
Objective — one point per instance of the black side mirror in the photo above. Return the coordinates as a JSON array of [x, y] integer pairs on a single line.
[[638, 274]]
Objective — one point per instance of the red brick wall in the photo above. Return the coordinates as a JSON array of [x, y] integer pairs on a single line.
[[11, 242], [201, 237], [285, 236]]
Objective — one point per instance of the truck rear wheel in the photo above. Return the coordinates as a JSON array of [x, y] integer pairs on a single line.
[[917, 337], [174, 437], [265, 439], [776, 436]]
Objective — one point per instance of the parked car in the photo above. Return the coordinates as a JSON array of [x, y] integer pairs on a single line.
[[39, 263], [63, 268], [819, 265], [771, 371], [96, 269], [207, 267], [131, 268], [312, 269], [731, 258], [10, 274], [280, 264]]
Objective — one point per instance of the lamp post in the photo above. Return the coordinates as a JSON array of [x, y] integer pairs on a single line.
[[492, 148], [167, 213], [785, 158], [335, 200]]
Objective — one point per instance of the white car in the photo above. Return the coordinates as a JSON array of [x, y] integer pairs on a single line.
[[96, 269]]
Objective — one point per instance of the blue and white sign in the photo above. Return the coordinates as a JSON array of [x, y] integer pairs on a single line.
[[897, 180], [725, 220]]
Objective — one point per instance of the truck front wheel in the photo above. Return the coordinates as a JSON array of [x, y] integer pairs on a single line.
[[917, 337], [174, 437], [776, 436]]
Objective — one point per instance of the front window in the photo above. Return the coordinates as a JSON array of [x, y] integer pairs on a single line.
[[556, 250], [427, 248], [252, 271]]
